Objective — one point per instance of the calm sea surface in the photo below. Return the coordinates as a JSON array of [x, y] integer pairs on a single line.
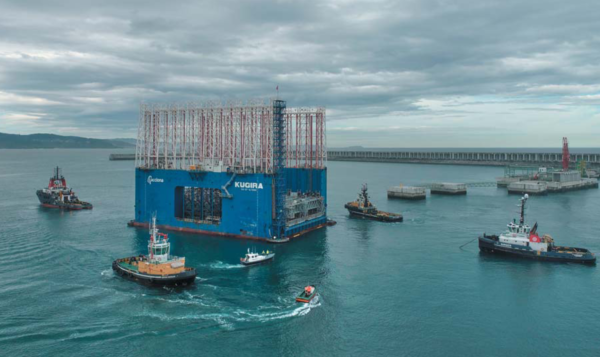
[[403, 289]]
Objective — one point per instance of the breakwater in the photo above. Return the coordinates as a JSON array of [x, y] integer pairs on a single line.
[[452, 158], [464, 158]]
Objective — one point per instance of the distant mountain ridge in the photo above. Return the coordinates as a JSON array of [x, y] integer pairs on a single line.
[[126, 140], [52, 141]]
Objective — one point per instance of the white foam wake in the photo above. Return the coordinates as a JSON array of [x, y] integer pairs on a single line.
[[221, 265]]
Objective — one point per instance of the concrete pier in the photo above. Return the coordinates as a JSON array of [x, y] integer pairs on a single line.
[[550, 182], [407, 192], [529, 187], [448, 188], [118, 157], [573, 185]]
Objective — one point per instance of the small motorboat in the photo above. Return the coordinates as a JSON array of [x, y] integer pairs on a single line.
[[307, 294], [252, 258]]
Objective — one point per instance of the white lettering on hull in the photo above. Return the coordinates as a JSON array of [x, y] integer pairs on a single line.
[[248, 186], [151, 179]]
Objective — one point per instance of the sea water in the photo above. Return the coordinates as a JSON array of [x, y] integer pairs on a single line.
[[402, 289]]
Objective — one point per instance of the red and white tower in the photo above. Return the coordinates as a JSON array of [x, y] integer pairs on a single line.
[[565, 155]]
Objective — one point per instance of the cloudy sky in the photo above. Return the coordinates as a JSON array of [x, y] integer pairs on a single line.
[[391, 73]]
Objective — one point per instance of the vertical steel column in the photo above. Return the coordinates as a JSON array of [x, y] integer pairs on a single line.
[[279, 157], [139, 143], [155, 138], [298, 133]]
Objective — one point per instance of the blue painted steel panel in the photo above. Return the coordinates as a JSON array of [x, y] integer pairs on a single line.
[[249, 212], [306, 180]]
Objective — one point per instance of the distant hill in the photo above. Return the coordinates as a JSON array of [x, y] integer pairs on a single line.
[[51, 141], [126, 140]]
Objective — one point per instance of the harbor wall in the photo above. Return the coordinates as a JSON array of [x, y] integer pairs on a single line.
[[464, 158], [449, 158]]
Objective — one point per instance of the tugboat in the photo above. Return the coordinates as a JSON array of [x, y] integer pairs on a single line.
[[252, 258], [523, 241], [307, 294], [158, 267], [58, 195], [363, 208]]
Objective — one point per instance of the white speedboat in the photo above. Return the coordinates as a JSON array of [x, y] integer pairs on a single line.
[[252, 258]]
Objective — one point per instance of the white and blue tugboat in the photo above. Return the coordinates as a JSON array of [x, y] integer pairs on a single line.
[[520, 240]]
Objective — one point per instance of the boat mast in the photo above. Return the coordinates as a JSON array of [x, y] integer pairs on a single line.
[[523, 200], [153, 231], [365, 196]]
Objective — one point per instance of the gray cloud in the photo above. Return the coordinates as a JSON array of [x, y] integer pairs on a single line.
[[441, 66]]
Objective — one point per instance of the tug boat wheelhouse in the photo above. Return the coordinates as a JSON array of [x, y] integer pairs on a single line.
[[252, 258], [363, 208], [523, 241], [58, 195], [159, 267]]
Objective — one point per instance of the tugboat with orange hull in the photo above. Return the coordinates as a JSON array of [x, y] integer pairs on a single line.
[[307, 294], [158, 267], [59, 195], [523, 241], [363, 208]]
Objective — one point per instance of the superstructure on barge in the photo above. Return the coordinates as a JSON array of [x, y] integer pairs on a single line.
[[254, 170]]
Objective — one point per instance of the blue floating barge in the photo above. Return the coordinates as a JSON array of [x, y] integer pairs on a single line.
[[191, 189]]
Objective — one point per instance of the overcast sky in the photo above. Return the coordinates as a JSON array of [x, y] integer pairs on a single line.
[[391, 73]]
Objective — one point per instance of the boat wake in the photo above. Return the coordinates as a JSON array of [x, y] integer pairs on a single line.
[[221, 265], [301, 310], [106, 272], [229, 318]]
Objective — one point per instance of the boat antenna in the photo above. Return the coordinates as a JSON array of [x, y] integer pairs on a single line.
[[153, 229]]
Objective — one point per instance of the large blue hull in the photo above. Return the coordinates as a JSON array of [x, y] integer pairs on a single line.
[[247, 213]]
